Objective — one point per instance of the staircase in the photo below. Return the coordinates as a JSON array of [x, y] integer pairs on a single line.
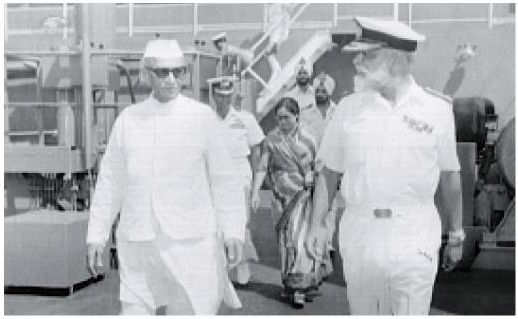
[[311, 51]]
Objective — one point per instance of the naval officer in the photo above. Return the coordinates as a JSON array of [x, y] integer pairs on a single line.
[[245, 147], [392, 145]]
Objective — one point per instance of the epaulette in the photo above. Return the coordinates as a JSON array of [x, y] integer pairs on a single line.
[[237, 123], [438, 94]]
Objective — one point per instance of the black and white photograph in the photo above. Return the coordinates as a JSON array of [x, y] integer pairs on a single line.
[[252, 158]]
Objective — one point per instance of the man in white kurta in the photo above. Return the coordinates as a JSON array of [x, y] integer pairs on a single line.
[[167, 170], [394, 144], [319, 117], [245, 139], [321, 113]]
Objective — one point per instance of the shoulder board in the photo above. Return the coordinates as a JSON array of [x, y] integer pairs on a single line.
[[438, 94], [237, 123]]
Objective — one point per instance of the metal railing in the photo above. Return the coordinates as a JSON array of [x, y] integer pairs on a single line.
[[491, 18], [39, 132], [259, 42], [87, 106]]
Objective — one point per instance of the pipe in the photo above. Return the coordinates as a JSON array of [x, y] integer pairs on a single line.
[[87, 84], [6, 24], [490, 15], [195, 28], [7, 139], [396, 11], [65, 18], [19, 54], [33, 54], [120, 65], [335, 14], [410, 15], [130, 19], [41, 104]]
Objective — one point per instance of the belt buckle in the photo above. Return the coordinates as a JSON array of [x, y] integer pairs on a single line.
[[382, 212]]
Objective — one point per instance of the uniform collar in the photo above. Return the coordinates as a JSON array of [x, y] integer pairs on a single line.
[[413, 89]]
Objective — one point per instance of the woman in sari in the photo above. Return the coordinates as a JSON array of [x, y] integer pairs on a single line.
[[288, 159]]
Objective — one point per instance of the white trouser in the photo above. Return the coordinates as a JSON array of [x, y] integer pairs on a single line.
[[338, 202], [185, 275], [390, 264], [241, 273]]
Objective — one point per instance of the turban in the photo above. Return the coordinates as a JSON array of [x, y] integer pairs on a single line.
[[326, 81]]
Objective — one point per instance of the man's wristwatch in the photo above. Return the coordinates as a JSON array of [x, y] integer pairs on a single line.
[[456, 237]]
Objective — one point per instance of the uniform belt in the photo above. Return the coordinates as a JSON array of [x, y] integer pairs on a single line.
[[391, 211], [382, 212]]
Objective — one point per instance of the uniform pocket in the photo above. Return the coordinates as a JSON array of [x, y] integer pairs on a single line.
[[356, 144]]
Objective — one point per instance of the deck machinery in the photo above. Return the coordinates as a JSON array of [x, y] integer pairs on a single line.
[[61, 103]]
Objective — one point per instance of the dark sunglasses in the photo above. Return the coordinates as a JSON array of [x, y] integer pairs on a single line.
[[163, 73], [280, 118]]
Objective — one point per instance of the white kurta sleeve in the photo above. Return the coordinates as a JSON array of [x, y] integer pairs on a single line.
[[448, 159], [107, 198], [331, 152], [254, 133], [226, 189]]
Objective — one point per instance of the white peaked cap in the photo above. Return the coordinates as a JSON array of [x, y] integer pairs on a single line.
[[375, 33]]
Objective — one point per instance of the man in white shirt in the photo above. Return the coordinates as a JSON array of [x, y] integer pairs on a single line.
[[304, 93], [169, 173], [320, 115], [392, 146], [245, 140]]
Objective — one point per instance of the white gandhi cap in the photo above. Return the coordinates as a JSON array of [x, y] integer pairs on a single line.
[[164, 53]]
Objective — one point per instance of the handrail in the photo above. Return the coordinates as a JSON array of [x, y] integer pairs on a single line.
[[36, 104], [41, 104], [257, 77], [17, 54], [248, 69], [32, 133], [272, 27], [35, 53]]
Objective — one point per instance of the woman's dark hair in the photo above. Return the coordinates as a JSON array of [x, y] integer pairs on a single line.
[[290, 104]]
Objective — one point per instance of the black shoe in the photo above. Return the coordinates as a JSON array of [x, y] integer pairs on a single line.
[[286, 296], [298, 299], [332, 255]]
